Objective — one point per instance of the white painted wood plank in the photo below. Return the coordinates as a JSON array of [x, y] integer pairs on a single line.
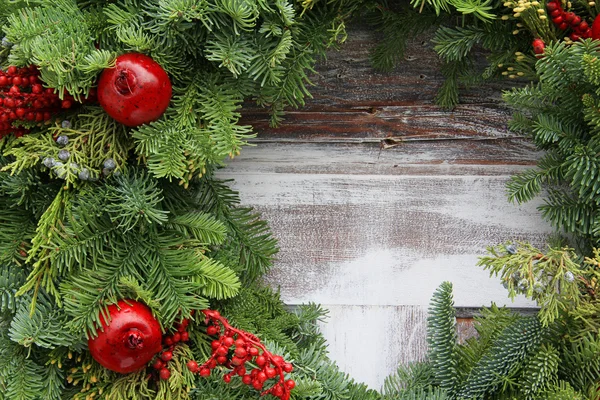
[[381, 240], [369, 342], [371, 235]]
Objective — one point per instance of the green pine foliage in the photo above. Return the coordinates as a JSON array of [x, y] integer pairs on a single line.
[[137, 213], [441, 338]]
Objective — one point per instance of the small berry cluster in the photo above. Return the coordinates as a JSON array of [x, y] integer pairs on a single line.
[[234, 348], [169, 341], [23, 98], [563, 20]]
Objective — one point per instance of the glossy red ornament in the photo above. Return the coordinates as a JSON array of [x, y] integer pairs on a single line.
[[136, 91], [596, 28], [130, 340]]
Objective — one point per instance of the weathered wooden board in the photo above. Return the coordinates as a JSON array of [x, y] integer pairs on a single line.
[[377, 196]]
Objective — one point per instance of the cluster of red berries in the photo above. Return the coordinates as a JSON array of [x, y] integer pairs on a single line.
[[23, 98], [169, 341], [564, 20], [234, 348]]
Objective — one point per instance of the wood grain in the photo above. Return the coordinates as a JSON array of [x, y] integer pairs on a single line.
[[377, 196]]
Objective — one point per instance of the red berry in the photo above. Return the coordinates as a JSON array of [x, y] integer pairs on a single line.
[[14, 90], [136, 91], [20, 112], [290, 384], [569, 16], [222, 351], [551, 6], [129, 340], [556, 13], [563, 26], [221, 359], [37, 88], [3, 80], [277, 390], [574, 37], [215, 344], [17, 81], [176, 337], [212, 330], [277, 360], [257, 385], [241, 371], [247, 379], [213, 363], [205, 372], [165, 374], [583, 26], [185, 336], [30, 116], [228, 341], [261, 361], [167, 356], [9, 102], [227, 378], [270, 372], [261, 376], [66, 104], [558, 20], [253, 351], [24, 81], [240, 342], [576, 21], [287, 367], [168, 341], [192, 366], [158, 364], [241, 352], [237, 361], [12, 70]]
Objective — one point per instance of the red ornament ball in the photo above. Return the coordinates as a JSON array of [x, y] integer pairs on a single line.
[[129, 341], [136, 91], [596, 28]]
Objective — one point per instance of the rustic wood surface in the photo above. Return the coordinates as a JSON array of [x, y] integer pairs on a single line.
[[377, 196]]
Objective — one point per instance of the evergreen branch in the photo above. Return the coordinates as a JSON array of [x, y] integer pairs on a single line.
[[513, 346], [411, 377], [454, 44], [26, 379], [548, 278], [525, 186], [217, 281], [201, 226], [44, 328], [540, 372], [11, 279], [442, 339]]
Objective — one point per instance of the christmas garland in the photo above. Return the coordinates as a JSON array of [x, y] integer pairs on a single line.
[[118, 245]]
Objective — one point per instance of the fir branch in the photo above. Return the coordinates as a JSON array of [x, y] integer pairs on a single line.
[[513, 346], [442, 339], [540, 372], [411, 377], [44, 328]]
